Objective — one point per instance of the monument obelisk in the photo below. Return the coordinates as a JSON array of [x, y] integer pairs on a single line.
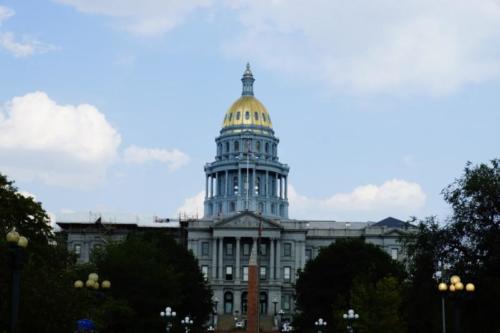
[[253, 293]]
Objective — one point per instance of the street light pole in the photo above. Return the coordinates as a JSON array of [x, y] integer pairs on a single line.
[[17, 245], [320, 323], [455, 287], [187, 322], [281, 313], [350, 316], [169, 316]]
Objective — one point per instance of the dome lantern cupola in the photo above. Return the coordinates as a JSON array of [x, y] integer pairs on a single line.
[[248, 81]]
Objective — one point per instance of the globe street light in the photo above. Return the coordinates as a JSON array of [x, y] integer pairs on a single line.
[[320, 323], [455, 289], [92, 283], [350, 316], [187, 322], [210, 329], [169, 316], [17, 245]]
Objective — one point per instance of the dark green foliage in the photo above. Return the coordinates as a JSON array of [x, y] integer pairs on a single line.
[[379, 305], [324, 287], [470, 245], [148, 272], [48, 301]]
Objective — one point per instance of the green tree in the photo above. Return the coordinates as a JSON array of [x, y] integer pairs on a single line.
[[324, 289], [424, 249], [48, 301], [380, 306], [474, 241], [148, 272]]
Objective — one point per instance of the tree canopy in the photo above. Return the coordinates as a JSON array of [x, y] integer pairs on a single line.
[[148, 272], [467, 245], [46, 290], [325, 287]]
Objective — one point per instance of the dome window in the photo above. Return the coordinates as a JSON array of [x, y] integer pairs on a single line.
[[238, 115], [227, 147], [236, 146], [256, 115], [267, 147], [247, 115], [257, 146], [264, 117], [230, 116]]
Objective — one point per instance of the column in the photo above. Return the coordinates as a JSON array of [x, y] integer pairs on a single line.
[[194, 247], [286, 187], [271, 263], [211, 186], [221, 249], [237, 269], [206, 186], [276, 185], [226, 184], [214, 258], [267, 185], [278, 259]]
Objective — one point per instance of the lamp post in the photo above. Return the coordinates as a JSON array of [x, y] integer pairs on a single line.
[[455, 288], [350, 316], [280, 314], [214, 310], [320, 323], [169, 316], [187, 322], [17, 246], [92, 283]]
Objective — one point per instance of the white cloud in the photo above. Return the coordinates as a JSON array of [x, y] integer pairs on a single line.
[[143, 18], [58, 144], [416, 46], [5, 13], [367, 202], [25, 47], [193, 206], [174, 159]]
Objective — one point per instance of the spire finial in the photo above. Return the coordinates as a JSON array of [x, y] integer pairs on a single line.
[[248, 81]]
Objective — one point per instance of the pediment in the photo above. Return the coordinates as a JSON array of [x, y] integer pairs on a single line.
[[247, 220]]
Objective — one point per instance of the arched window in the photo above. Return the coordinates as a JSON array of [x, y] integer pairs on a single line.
[[264, 117], [257, 146], [230, 116], [267, 147], [256, 115], [228, 302], [244, 302], [232, 206], [263, 303], [236, 146], [227, 147], [247, 115], [238, 115]]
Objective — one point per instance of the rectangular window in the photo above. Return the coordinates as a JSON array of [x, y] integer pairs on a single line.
[[245, 273], [246, 249], [308, 254], [204, 271], [78, 249], [229, 273], [205, 249], [263, 249], [287, 249], [263, 272], [286, 301], [229, 249], [287, 272], [394, 254]]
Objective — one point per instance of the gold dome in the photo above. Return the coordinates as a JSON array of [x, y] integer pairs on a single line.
[[247, 110]]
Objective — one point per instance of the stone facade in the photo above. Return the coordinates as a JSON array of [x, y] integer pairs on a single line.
[[246, 204]]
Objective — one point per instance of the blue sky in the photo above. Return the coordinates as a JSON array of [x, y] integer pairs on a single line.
[[113, 106]]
